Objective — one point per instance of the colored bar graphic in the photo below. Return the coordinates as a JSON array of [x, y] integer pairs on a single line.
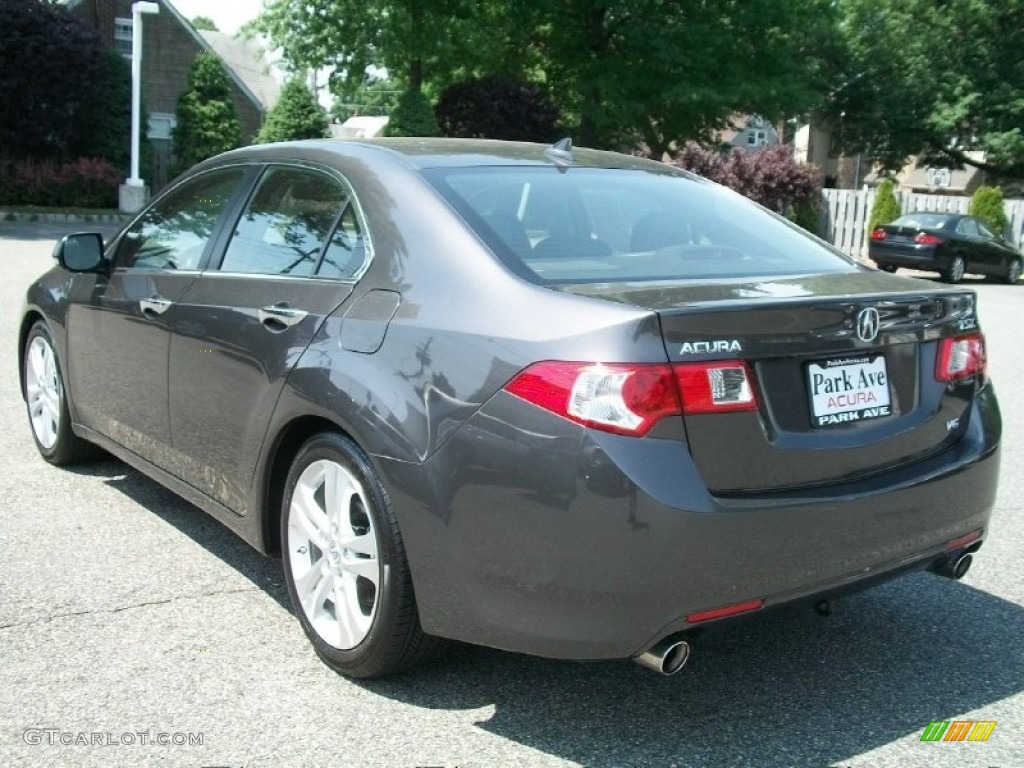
[[958, 730]]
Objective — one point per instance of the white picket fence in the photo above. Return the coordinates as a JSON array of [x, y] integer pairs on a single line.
[[845, 215]]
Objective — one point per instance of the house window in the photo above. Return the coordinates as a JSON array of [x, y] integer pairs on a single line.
[[161, 124], [757, 138], [123, 36]]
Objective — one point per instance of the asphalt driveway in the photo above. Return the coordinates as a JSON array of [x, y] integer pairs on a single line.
[[135, 630]]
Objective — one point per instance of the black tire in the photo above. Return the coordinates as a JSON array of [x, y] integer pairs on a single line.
[[395, 641], [890, 268], [67, 448], [1013, 272], [955, 272]]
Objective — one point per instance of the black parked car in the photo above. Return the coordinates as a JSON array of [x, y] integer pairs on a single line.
[[563, 402], [950, 243]]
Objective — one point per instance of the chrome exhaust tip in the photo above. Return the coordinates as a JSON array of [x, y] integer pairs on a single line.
[[666, 657], [954, 567]]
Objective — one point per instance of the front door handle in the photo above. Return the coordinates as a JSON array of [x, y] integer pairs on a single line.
[[278, 317], [155, 306]]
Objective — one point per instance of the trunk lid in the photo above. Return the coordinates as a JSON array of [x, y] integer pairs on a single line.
[[836, 400]]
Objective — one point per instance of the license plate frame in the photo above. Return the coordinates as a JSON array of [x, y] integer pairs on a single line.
[[848, 390]]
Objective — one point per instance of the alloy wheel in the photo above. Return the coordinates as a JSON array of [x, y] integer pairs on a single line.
[[334, 558], [43, 391]]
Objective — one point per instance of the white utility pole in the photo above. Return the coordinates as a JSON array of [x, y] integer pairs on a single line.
[[135, 197]]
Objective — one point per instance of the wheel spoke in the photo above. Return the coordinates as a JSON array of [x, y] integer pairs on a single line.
[[343, 616], [368, 568], [313, 601], [338, 493], [310, 517], [363, 544], [308, 581]]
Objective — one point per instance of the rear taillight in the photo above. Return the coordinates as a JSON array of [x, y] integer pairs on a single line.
[[715, 387], [629, 399], [960, 357], [926, 239], [878, 234]]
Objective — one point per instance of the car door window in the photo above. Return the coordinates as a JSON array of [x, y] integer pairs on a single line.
[[286, 223], [174, 232], [968, 227], [346, 252], [984, 231]]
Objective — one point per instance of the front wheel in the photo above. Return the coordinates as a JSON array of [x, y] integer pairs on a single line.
[[955, 272], [1013, 273], [344, 563], [46, 399]]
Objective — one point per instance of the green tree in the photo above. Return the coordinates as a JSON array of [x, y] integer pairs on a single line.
[[987, 205], [413, 116], [297, 115], [496, 107], [936, 79], [623, 71], [373, 96], [207, 122], [885, 208], [52, 66], [204, 23]]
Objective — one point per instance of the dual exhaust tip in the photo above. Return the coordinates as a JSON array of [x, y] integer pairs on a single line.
[[955, 567], [670, 655], [667, 656]]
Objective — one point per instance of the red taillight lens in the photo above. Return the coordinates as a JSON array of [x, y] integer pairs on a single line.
[[716, 387], [960, 357], [878, 234], [925, 239], [629, 399]]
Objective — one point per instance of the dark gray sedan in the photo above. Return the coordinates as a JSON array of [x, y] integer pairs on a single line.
[[949, 243], [556, 401]]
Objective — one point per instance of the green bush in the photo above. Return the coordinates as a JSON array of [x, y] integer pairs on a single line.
[[987, 205], [297, 115], [886, 207], [413, 116], [207, 122]]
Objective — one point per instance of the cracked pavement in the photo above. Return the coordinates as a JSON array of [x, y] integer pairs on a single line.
[[124, 609]]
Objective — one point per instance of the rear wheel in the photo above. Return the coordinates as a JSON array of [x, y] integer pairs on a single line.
[[344, 563], [1013, 273], [955, 272], [47, 402]]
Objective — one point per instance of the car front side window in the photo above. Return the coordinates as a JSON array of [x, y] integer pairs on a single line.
[[286, 223], [175, 231]]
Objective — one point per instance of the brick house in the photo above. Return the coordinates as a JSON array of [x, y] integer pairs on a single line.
[[170, 46]]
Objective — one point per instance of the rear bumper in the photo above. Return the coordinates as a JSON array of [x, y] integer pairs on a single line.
[[553, 540], [909, 255]]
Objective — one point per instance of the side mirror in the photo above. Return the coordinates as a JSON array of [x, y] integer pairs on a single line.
[[80, 252]]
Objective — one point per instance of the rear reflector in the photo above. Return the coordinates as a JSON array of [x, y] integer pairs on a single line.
[[727, 610], [925, 239], [630, 398], [878, 235], [960, 357], [715, 387], [963, 541]]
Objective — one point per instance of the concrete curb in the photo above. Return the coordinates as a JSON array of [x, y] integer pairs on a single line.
[[57, 217]]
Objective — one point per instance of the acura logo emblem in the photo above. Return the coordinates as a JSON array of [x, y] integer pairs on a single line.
[[867, 324]]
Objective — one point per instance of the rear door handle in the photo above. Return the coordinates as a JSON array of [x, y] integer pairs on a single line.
[[277, 317], [155, 306]]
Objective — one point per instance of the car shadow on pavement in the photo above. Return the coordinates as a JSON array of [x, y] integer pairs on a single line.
[[787, 689], [264, 572]]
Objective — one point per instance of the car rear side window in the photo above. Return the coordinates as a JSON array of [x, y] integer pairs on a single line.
[[175, 231], [615, 225], [286, 223], [347, 250]]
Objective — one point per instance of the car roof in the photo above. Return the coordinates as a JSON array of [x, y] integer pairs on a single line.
[[422, 153]]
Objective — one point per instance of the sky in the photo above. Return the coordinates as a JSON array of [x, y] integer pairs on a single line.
[[228, 15]]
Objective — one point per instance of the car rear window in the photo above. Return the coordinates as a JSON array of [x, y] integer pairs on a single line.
[[921, 221], [582, 225]]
